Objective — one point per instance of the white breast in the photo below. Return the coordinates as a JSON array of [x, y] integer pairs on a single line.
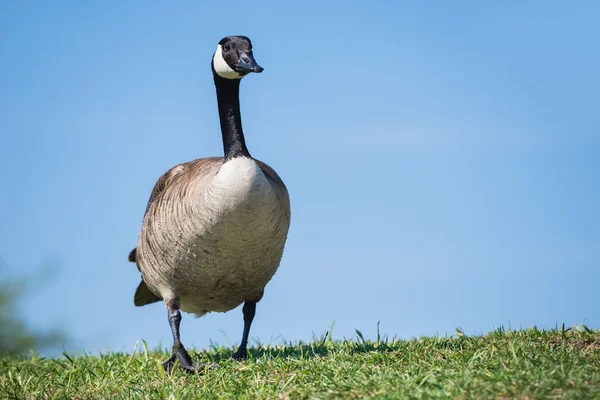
[[239, 182]]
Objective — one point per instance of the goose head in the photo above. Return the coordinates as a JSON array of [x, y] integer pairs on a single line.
[[233, 58]]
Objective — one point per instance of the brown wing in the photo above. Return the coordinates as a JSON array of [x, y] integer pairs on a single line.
[[196, 169], [186, 171], [164, 181]]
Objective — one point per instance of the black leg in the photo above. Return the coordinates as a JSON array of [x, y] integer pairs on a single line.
[[179, 352], [249, 310]]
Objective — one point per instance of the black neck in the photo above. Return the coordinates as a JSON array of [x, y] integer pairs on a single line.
[[228, 98]]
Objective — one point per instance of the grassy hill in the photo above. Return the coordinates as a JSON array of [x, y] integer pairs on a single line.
[[529, 364]]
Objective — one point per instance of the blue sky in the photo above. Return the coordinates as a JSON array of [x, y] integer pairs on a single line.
[[442, 160]]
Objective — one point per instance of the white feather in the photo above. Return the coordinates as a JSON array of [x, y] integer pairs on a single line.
[[221, 67], [238, 180]]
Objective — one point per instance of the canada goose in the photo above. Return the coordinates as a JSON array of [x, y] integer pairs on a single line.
[[214, 228]]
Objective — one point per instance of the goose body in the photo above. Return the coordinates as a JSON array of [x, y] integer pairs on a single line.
[[214, 236], [214, 229]]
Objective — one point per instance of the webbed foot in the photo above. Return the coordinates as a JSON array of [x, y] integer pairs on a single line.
[[181, 355], [240, 354]]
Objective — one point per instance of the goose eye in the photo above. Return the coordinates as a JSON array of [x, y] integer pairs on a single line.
[[227, 47]]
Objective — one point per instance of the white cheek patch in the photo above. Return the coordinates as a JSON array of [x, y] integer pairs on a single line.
[[221, 67]]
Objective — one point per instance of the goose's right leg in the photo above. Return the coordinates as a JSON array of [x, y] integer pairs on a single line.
[[179, 352]]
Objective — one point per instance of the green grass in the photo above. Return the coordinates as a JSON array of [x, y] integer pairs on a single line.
[[529, 364]]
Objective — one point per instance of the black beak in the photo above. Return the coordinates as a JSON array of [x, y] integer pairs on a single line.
[[248, 64]]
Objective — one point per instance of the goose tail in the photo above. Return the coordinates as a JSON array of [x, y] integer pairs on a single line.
[[132, 255]]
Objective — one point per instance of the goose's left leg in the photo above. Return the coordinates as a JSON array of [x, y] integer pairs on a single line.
[[179, 352], [249, 310]]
